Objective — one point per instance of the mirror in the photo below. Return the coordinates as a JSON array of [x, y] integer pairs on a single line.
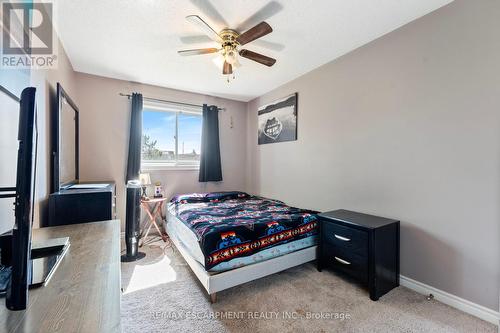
[[65, 142]]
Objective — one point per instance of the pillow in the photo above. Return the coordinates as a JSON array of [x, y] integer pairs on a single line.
[[208, 197]]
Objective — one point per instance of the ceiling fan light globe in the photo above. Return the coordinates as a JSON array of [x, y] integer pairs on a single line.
[[231, 57], [236, 64], [219, 61]]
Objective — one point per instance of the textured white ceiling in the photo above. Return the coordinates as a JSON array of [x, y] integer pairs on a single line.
[[138, 40]]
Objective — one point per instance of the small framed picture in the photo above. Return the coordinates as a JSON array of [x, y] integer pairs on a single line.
[[278, 121]]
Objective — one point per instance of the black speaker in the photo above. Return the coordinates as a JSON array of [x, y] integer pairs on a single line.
[[132, 222]]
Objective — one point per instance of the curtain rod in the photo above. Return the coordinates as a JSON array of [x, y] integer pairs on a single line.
[[165, 101]]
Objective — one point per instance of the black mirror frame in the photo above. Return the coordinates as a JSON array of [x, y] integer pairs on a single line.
[[56, 130]]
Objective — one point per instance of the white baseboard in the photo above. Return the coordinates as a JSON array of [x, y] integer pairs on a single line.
[[456, 302]]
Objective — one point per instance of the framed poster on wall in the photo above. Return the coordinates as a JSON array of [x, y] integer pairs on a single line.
[[277, 121]]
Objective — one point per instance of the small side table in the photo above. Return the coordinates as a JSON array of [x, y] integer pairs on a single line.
[[153, 208], [365, 247]]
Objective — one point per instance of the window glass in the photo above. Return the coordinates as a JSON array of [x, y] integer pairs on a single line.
[[189, 137], [171, 136]]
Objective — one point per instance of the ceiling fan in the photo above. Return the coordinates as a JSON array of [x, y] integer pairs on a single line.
[[230, 41]]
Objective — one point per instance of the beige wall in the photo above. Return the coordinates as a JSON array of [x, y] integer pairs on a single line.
[[104, 128], [45, 82], [14, 81], [406, 127]]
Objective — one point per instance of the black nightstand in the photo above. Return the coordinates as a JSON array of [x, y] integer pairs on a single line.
[[365, 247]]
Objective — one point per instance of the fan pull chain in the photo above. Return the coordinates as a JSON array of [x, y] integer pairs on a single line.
[[228, 77]]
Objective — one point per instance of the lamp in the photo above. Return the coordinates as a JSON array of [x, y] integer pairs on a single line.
[[219, 61], [230, 57], [227, 54], [145, 180]]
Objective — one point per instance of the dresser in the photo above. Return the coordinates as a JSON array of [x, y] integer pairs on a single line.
[[84, 293], [363, 247], [81, 205]]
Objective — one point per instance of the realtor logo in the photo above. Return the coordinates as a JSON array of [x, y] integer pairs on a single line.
[[28, 36]]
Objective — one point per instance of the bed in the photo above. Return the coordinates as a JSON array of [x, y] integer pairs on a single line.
[[229, 238]]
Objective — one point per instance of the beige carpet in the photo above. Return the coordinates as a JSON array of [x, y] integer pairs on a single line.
[[161, 294]]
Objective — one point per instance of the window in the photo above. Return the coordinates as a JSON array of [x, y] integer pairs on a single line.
[[171, 136]]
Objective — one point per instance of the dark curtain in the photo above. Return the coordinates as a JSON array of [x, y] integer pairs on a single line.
[[134, 143], [210, 166]]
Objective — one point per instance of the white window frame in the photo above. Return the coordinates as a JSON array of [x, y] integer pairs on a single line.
[[151, 165]]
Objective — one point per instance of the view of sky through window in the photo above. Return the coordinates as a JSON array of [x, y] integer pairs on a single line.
[[159, 126]]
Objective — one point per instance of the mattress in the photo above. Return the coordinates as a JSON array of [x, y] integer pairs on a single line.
[[175, 228], [229, 225]]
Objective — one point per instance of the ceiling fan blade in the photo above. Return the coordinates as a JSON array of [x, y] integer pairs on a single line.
[[195, 39], [266, 12], [205, 7], [203, 26], [227, 69], [197, 51], [260, 58], [269, 45], [258, 31]]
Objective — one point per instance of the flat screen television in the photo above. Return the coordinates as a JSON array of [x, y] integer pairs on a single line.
[[23, 264], [17, 291]]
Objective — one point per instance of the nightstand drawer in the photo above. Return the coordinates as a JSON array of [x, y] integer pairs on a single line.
[[343, 261], [356, 241]]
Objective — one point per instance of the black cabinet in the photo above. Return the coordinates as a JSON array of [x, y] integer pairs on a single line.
[[365, 247], [80, 205]]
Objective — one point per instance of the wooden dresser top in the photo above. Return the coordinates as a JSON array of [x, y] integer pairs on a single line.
[[84, 293]]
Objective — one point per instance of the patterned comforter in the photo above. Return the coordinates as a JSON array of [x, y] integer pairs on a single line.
[[234, 224]]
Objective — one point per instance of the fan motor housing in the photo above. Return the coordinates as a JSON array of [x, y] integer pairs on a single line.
[[229, 38]]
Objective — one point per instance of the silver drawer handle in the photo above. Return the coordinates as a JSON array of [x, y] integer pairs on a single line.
[[342, 238], [342, 261]]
